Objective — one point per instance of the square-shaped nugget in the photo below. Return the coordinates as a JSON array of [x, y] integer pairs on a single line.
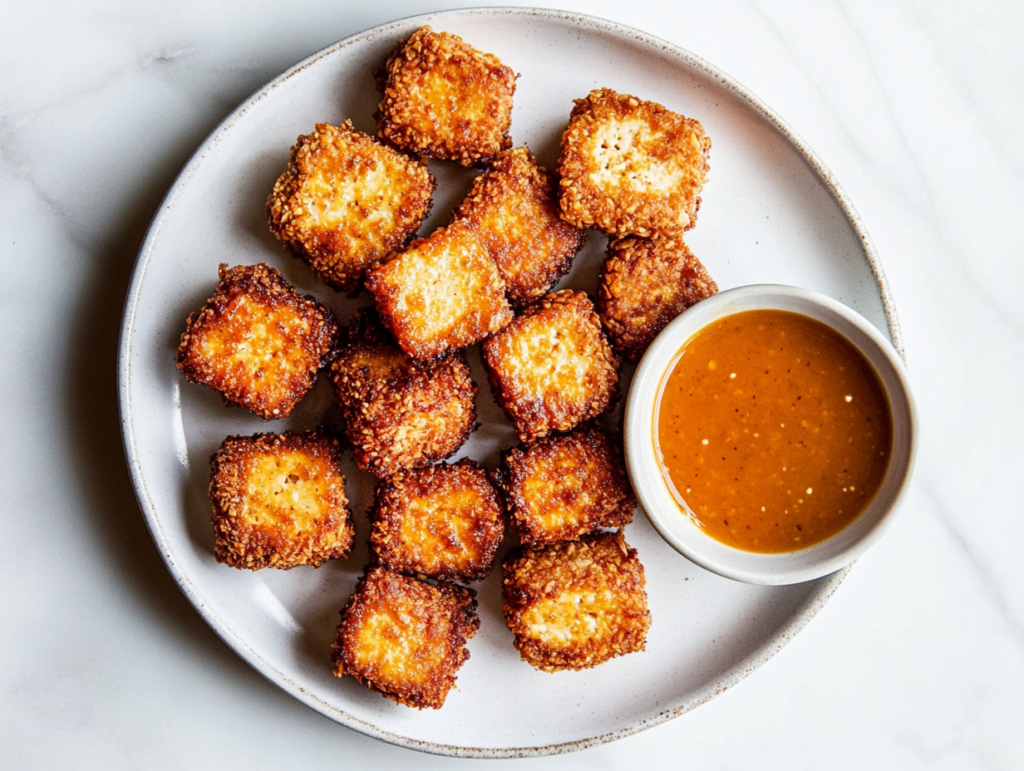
[[552, 367], [576, 604], [562, 487], [514, 208], [442, 293], [645, 283], [447, 100], [345, 201], [400, 413], [405, 638], [631, 167], [257, 341], [279, 501], [443, 521]]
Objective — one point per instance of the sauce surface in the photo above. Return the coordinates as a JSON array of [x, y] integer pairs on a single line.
[[772, 430]]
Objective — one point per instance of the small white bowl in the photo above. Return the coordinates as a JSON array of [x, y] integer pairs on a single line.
[[653, 491]]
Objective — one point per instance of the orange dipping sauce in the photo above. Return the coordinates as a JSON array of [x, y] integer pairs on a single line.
[[772, 430]]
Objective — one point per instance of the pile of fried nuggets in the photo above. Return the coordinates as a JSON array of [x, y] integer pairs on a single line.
[[349, 205]]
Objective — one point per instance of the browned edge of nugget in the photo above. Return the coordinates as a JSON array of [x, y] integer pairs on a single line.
[[643, 285], [442, 293], [514, 208], [575, 604], [346, 200], [264, 517], [405, 638], [445, 99], [541, 392], [616, 181], [564, 486], [445, 521], [399, 412], [265, 362]]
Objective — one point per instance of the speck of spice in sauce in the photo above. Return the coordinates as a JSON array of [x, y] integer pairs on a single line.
[[808, 445]]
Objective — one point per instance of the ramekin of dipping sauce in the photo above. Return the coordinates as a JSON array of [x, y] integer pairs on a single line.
[[770, 434]]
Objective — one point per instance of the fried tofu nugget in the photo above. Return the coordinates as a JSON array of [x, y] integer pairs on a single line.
[[400, 413], [257, 341], [279, 501], [444, 521], [552, 367], [442, 293], [405, 638], [645, 283], [631, 167], [562, 487], [514, 208], [345, 201], [576, 604], [447, 100]]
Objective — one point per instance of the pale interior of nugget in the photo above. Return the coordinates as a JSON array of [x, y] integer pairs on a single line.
[[628, 154], [545, 357], [573, 616], [286, 489], [444, 292]]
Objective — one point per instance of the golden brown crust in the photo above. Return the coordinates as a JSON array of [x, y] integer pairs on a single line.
[[631, 167], [515, 211], [447, 100], [552, 368], [645, 283], [257, 341], [405, 638], [444, 521], [400, 413], [442, 293], [562, 487], [345, 201], [576, 604], [279, 501]]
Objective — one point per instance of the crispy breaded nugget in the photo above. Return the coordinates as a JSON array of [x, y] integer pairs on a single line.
[[440, 294], [562, 487], [575, 604], [279, 501], [443, 521], [645, 283], [345, 201], [405, 638], [257, 341], [552, 367], [514, 208], [630, 167], [399, 412], [445, 99]]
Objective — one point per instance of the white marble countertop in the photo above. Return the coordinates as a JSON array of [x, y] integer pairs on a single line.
[[918, 661]]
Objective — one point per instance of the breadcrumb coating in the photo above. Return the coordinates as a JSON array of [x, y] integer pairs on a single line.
[[279, 501], [444, 521], [631, 167], [441, 294], [399, 412], [345, 201], [576, 604], [552, 368], [447, 100], [644, 284], [565, 486], [514, 208], [405, 638], [257, 341]]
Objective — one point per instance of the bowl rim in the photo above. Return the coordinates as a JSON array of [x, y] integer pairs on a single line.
[[652, 489]]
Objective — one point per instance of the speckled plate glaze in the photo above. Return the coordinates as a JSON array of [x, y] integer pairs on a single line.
[[772, 213]]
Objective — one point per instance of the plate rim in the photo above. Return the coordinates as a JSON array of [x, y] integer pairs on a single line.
[[733, 675]]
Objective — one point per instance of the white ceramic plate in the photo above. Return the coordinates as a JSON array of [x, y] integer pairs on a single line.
[[771, 213]]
